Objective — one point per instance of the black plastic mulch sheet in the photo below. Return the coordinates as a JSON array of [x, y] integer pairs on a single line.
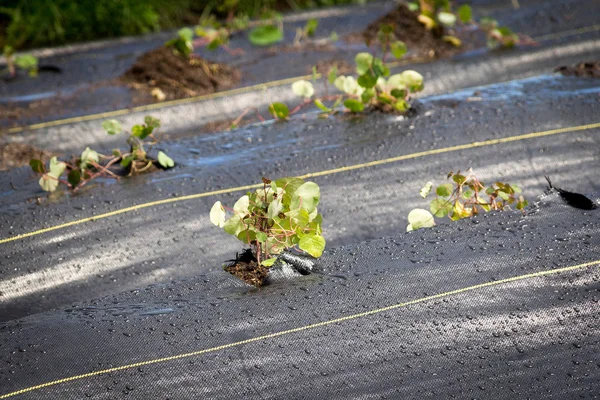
[[501, 306]]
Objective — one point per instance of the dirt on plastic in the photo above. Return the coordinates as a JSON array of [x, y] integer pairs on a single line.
[[413, 33], [13, 155], [246, 268], [178, 77], [588, 69]]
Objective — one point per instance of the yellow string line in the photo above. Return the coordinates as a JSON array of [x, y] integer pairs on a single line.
[[302, 328], [149, 107], [306, 176], [246, 89], [571, 32]]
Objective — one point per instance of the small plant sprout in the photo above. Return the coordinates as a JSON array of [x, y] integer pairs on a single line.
[[25, 62], [91, 164], [498, 36], [281, 215], [464, 197], [308, 31]]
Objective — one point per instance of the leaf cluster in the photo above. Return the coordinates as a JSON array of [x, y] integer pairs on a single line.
[[281, 215], [25, 62], [439, 13], [465, 196], [91, 164]]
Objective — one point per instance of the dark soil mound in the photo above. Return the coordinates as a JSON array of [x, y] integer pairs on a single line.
[[177, 76], [408, 29], [247, 269], [14, 155], [589, 69]]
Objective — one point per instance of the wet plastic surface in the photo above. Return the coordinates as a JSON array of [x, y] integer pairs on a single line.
[[174, 241], [483, 334]]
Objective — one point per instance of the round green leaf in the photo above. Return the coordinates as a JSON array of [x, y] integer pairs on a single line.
[[313, 245], [37, 166], [465, 13], [265, 35], [350, 85], [363, 63], [74, 177], [112, 126], [234, 225], [440, 207], [279, 110], [398, 49], [367, 80], [57, 167], [412, 80], [88, 156], [48, 182], [306, 197], [354, 105], [446, 18], [151, 121], [303, 88], [165, 161], [419, 218], [217, 214], [241, 206], [444, 190]]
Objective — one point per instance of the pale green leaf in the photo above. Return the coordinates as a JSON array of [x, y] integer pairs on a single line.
[[217, 214], [165, 161], [313, 245], [303, 88]]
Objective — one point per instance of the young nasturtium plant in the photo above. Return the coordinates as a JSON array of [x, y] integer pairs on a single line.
[[92, 164], [498, 36], [26, 62], [464, 197], [281, 215], [307, 31]]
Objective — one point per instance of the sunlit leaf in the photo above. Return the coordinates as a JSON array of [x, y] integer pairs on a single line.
[[217, 214], [354, 105], [313, 245], [265, 35], [303, 88], [112, 126], [279, 110], [164, 160]]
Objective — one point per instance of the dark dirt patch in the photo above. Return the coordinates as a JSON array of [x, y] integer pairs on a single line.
[[177, 76], [13, 155], [247, 269], [590, 69], [343, 67], [416, 37]]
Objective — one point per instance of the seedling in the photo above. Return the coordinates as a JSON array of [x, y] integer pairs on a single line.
[[25, 62], [281, 215], [306, 32], [464, 197], [498, 36], [209, 37], [91, 164]]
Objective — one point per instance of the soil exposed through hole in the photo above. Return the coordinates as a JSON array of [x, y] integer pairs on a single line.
[[417, 38], [14, 155], [247, 269], [177, 76], [590, 69]]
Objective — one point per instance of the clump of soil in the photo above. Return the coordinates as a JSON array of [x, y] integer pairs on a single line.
[[177, 76], [408, 29], [247, 269], [590, 69], [343, 67], [13, 155]]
